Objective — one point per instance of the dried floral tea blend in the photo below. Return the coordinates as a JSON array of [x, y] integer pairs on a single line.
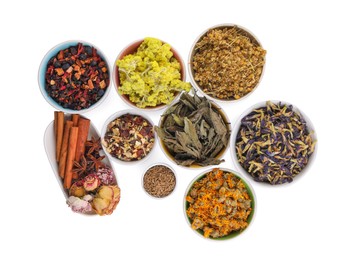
[[219, 204], [151, 76], [194, 131], [274, 144], [77, 77], [227, 64], [159, 181], [129, 137]]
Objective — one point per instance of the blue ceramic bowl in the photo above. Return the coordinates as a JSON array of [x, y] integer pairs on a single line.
[[43, 68]]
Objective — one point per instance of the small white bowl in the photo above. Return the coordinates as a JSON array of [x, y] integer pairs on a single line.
[[42, 72], [131, 49], [115, 116], [251, 194], [156, 164], [192, 52], [237, 127]]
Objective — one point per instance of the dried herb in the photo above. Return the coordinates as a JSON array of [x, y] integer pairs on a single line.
[[151, 76], [129, 137], [227, 63], [159, 181], [218, 204], [77, 77], [274, 143], [194, 131]]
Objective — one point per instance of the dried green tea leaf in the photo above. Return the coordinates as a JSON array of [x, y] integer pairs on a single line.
[[194, 132]]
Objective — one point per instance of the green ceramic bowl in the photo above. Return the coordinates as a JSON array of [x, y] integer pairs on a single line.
[[250, 192]]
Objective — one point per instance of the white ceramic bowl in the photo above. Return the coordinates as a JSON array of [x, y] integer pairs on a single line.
[[195, 166], [251, 194], [113, 117], [130, 49], [192, 52], [156, 164], [237, 127], [42, 71]]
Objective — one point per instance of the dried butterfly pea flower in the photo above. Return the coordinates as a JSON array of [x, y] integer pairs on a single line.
[[274, 144], [194, 131], [228, 63]]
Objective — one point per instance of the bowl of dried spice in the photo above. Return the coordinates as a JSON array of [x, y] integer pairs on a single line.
[[274, 142], [226, 62], [194, 132], [159, 180], [128, 136], [219, 204], [74, 77], [149, 74]]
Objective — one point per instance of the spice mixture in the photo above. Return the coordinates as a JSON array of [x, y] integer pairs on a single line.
[[159, 181], [151, 76], [218, 204], [90, 183], [77, 77], [274, 143], [194, 132], [129, 137], [227, 64]]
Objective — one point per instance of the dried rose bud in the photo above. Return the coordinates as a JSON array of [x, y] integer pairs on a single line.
[[106, 200], [77, 190], [78, 205], [91, 182]]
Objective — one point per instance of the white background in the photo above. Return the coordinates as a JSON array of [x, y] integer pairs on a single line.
[[309, 63]]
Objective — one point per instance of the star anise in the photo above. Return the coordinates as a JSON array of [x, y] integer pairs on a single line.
[[94, 162], [94, 145], [80, 167]]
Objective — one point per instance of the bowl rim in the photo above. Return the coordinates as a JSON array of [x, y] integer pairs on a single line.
[[42, 68], [117, 115], [195, 166], [156, 164], [124, 97], [191, 53], [250, 190], [235, 131]]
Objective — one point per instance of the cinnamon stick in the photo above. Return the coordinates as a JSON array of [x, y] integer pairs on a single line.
[[70, 157], [64, 148], [56, 124], [60, 132], [83, 130], [75, 118]]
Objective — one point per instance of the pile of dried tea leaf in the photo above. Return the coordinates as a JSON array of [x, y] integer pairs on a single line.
[[227, 64], [193, 131], [274, 144]]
